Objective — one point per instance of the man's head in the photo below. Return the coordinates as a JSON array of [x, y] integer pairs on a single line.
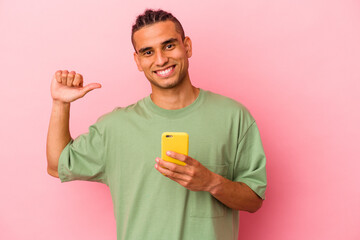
[[161, 50], [150, 17]]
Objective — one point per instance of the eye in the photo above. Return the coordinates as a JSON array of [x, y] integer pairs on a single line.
[[169, 46], [147, 53]]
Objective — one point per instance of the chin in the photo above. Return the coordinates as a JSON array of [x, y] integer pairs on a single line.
[[166, 85]]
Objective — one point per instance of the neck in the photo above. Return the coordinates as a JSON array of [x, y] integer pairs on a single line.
[[175, 98]]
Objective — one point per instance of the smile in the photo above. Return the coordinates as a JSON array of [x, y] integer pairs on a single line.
[[165, 72]]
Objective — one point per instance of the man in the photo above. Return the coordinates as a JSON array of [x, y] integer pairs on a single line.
[[155, 199]]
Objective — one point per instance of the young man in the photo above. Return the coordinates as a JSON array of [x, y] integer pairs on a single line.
[[154, 199]]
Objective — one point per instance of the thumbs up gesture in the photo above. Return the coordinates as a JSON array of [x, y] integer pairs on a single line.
[[67, 86]]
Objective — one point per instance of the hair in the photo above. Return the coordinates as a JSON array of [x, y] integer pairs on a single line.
[[150, 17]]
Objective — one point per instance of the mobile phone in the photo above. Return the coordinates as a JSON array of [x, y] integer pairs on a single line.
[[176, 142]]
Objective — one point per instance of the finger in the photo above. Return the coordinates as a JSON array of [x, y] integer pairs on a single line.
[[64, 77], [183, 182], [78, 81], [185, 170], [90, 87], [171, 166], [70, 78], [179, 156], [172, 175], [58, 76]]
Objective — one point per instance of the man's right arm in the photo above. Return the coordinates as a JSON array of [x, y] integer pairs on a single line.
[[65, 88]]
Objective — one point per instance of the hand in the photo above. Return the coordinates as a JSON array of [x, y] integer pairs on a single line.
[[194, 176], [67, 87]]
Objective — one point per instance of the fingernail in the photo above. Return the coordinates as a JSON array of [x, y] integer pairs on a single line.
[[156, 166], [157, 160], [168, 153]]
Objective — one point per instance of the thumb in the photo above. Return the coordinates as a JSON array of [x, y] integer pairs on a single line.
[[90, 87]]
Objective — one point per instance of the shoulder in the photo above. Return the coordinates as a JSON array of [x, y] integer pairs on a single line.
[[121, 113], [224, 104], [229, 110]]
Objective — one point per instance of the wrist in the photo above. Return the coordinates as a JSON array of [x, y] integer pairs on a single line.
[[58, 103], [216, 183]]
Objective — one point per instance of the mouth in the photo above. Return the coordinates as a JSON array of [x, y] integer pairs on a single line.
[[164, 73]]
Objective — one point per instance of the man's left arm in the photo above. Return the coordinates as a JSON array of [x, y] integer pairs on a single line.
[[196, 177]]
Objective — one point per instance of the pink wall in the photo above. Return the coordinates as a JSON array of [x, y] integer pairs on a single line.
[[294, 64]]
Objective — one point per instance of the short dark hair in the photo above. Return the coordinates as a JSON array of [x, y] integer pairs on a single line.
[[151, 16]]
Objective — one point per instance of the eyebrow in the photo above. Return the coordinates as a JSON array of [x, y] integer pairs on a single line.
[[144, 49], [171, 40]]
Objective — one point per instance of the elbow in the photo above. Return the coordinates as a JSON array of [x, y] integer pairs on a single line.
[[256, 206], [52, 165], [52, 172]]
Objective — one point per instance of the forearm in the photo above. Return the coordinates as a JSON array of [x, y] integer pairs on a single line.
[[58, 135], [235, 195]]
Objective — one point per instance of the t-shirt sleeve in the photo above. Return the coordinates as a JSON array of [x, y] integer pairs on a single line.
[[250, 161], [83, 158]]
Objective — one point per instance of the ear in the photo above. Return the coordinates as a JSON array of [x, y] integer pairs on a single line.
[[136, 58], [188, 46]]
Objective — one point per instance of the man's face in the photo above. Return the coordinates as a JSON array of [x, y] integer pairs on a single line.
[[162, 55]]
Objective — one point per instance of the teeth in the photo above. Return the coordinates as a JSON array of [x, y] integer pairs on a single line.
[[164, 72]]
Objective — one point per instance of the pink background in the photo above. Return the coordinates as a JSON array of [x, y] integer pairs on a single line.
[[294, 64]]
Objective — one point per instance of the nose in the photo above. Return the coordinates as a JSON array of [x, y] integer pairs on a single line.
[[161, 59]]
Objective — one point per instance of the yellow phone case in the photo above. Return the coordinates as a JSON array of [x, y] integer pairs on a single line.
[[176, 142]]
